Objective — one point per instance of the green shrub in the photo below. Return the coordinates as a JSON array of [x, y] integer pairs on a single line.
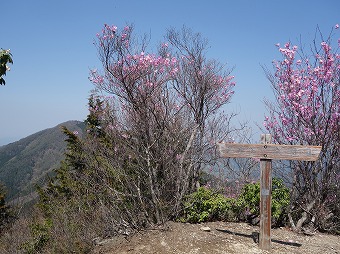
[[248, 202], [40, 236], [207, 205]]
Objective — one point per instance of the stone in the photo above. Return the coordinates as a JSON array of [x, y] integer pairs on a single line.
[[207, 229]]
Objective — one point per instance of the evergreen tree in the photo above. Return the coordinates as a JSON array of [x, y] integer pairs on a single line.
[[6, 213], [79, 198]]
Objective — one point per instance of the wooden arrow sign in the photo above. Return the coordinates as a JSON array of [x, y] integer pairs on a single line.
[[266, 152], [269, 151]]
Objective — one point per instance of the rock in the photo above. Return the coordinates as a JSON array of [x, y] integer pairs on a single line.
[[100, 241], [96, 240], [207, 229]]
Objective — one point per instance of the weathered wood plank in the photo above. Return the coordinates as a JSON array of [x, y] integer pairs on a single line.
[[269, 151], [265, 204], [265, 198]]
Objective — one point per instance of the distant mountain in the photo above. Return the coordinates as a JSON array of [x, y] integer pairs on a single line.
[[27, 162]]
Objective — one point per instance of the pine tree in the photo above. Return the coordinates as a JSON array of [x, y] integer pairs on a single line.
[[6, 212]]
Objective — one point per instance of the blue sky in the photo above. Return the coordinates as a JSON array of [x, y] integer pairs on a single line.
[[51, 42]]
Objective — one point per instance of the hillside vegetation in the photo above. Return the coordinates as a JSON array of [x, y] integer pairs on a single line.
[[27, 162]]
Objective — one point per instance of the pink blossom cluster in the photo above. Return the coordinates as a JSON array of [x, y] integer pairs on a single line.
[[224, 85], [146, 64], [308, 94], [96, 78], [110, 36], [145, 72], [141, 71], [142, 74], [108, 32]]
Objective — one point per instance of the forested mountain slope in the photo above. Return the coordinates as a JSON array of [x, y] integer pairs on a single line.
[[27, 162]]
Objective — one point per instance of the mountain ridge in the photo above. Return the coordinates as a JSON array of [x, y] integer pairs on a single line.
[[28, 161]]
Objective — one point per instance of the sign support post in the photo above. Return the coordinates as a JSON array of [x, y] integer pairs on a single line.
[[265, 198]]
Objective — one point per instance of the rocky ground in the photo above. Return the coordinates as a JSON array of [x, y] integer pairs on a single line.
[[216, 237]]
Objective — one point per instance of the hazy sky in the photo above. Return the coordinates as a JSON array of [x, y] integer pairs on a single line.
[[52, 46]]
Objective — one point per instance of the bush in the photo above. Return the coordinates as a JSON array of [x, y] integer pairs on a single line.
[[207, 205], [248, 202], [40, 236]]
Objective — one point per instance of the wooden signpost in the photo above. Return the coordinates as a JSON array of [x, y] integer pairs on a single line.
[[266, 152]]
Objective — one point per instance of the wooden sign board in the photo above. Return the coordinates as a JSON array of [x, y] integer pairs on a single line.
[[266, 152], [269, 151]]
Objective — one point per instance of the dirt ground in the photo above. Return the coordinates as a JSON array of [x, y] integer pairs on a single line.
[[223, 237]]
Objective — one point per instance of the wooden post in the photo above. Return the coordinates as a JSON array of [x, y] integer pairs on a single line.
[[266, 152], [265, 197]]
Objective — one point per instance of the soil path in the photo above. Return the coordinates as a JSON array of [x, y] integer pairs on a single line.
[[223, 237]]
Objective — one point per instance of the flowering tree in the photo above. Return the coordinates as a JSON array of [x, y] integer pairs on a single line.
[[307, 111], [160, 110], [5, 58]]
